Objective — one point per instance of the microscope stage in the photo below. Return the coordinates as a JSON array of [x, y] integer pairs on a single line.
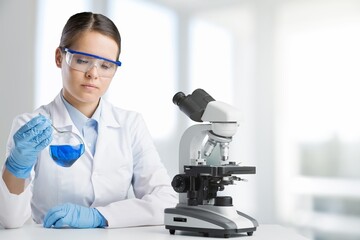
[[217, 171]]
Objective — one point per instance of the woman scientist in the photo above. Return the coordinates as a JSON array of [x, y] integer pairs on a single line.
[[119, 152]]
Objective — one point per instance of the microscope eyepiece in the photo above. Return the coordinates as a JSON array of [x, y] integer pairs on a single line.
[[178, 97], [193, 105]]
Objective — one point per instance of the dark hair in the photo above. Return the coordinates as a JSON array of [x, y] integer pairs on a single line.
[[88, 21]]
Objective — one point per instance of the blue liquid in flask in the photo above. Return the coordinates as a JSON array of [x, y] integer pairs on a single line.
[[66, 155]]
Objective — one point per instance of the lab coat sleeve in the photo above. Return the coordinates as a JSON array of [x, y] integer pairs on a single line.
[[15, 210], [151, 185]]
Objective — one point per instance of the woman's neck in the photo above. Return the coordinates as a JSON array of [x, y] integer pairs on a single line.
[[86, 108]]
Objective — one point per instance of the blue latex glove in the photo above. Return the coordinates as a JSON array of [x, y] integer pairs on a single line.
[[29, 140], [74, 216]]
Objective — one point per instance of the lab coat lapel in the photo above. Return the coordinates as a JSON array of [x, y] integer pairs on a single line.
[[60, 116], [106, 127]]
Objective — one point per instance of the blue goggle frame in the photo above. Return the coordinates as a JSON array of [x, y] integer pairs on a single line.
[[118, 63]]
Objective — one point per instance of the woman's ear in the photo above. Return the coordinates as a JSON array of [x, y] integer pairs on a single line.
[[58, 57]]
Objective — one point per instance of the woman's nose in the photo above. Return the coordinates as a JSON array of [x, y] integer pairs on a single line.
[[92, 72]]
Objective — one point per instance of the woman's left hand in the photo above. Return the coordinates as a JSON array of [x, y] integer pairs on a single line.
[[75, 216]]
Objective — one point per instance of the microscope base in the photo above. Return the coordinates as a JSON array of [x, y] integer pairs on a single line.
[[206, 220]]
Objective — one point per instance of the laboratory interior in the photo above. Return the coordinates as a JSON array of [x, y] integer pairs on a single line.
[[291, 67]]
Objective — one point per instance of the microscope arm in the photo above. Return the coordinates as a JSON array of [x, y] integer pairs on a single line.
[[191, 143]]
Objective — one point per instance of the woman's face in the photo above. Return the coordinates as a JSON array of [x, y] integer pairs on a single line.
[[81, 88]]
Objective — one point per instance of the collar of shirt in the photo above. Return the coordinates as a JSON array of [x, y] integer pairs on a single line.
[[79, 119]]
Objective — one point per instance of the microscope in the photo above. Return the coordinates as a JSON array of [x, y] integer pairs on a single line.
[[199, 209]]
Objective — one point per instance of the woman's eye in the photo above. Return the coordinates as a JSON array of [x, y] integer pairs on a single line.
[[106, 66], [81, 61]]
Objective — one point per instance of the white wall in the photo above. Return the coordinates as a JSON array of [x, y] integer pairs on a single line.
[[17, 24]]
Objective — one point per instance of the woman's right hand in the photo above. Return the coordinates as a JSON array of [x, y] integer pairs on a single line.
[[29, 140]]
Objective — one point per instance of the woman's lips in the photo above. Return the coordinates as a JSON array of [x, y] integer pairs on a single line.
[[89, 86]]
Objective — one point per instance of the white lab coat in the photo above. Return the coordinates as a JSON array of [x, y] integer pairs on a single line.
[[125, 156]]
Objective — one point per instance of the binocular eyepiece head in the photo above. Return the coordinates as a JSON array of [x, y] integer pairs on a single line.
[[193, 105]]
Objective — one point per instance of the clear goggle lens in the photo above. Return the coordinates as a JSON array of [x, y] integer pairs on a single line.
[[84, 62]]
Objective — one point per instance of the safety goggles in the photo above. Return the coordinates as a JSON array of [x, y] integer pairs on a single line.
[[83, 62]]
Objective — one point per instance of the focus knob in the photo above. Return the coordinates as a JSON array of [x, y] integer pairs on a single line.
[[180, 183]]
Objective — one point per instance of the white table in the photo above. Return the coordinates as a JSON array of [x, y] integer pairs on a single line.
[[37, 232]]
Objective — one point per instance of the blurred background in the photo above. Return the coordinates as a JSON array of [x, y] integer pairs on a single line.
[[290, 66]]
